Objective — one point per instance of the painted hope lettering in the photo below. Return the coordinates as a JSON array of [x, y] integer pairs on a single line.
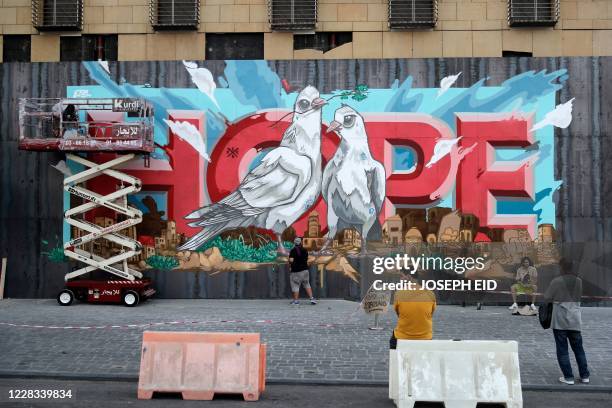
[[479, 178]]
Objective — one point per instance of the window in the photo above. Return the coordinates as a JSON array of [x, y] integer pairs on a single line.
[[321, 41], [533, 12], [234, 46], [175, 14], [57, 15], [509, 54], [16, 48], [292, 15], [413, 13], [88, 48]]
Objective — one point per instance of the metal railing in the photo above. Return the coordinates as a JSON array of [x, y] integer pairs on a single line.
[[405, 14], [57, 15], [533, 12], [292, 15], [64, 124], [174, 14]]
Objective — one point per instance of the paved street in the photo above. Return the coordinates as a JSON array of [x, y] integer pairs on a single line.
[[326, 343], [109, 394]]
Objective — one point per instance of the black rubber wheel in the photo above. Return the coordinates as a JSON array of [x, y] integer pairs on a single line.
[[65, 297], [130, 298]]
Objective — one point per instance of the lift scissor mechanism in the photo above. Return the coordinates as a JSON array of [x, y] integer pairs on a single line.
[[117, 202], [80, 127]]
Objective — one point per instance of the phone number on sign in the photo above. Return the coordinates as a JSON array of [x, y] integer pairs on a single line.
[[40, 394]]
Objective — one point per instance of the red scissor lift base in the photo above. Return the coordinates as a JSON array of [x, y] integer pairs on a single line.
[[129, 293]]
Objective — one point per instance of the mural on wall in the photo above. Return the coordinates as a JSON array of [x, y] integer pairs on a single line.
[[247, 161]]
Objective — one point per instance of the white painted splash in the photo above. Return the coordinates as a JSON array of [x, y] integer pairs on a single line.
[[443, 147], [560, 117], [190, 134], [202, 79], [62, 168], [104, 65], [446, 83]]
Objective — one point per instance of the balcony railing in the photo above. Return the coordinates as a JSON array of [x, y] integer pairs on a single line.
[[292, 15], [523, 13], [405, 14], [175, 14], [57, 15]]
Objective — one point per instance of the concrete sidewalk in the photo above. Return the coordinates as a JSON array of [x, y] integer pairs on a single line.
[[324, 344]]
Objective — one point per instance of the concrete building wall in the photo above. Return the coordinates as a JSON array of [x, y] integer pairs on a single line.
[[466, 28]]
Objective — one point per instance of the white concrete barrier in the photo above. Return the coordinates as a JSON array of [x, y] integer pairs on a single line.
[[458, 373]]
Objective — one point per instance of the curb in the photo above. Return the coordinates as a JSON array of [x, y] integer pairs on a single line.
[[278, 381]]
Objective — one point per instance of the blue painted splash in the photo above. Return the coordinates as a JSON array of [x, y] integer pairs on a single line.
[[523, 89], [402, 101], [254, 83]]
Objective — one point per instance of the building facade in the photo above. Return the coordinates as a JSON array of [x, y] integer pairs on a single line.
[[130, 30]]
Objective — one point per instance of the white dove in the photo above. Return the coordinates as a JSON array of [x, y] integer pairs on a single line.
[[446, 83], [353, 182], [560, 117], [202, 79], [189, 133], [280, 189], [441, 149]]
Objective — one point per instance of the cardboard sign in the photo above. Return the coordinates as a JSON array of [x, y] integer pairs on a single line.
[[376, 301]]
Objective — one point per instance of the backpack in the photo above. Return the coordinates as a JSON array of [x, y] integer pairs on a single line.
[[545, 311]]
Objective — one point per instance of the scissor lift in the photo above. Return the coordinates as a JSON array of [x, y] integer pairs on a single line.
[[123, 126]]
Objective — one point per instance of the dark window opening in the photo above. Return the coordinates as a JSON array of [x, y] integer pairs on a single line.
[[533, 12], [57, 15], [175, 14], [234, 46], [292, 15], [405, 14], [516, 54], [88, 48], [16, 48], [321, 41]]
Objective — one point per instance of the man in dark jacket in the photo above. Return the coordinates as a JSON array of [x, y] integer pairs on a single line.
[[565, 292], [299, 275]]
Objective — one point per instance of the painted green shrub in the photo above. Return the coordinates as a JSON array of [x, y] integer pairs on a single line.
[[236, 250], [163, 263]]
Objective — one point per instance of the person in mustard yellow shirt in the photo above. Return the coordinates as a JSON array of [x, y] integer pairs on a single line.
[[415, 309]]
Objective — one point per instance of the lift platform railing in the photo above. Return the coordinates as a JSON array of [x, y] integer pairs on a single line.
[[66, 124]]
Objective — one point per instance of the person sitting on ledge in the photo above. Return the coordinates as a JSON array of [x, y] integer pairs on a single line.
[[526, 283], [415, 309]]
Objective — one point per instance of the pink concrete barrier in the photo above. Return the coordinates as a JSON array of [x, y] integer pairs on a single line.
[[199, 365]]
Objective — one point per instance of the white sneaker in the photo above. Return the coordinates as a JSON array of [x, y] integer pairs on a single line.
[[533, 307], [585, 380], [564, 381], [514, 306]]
